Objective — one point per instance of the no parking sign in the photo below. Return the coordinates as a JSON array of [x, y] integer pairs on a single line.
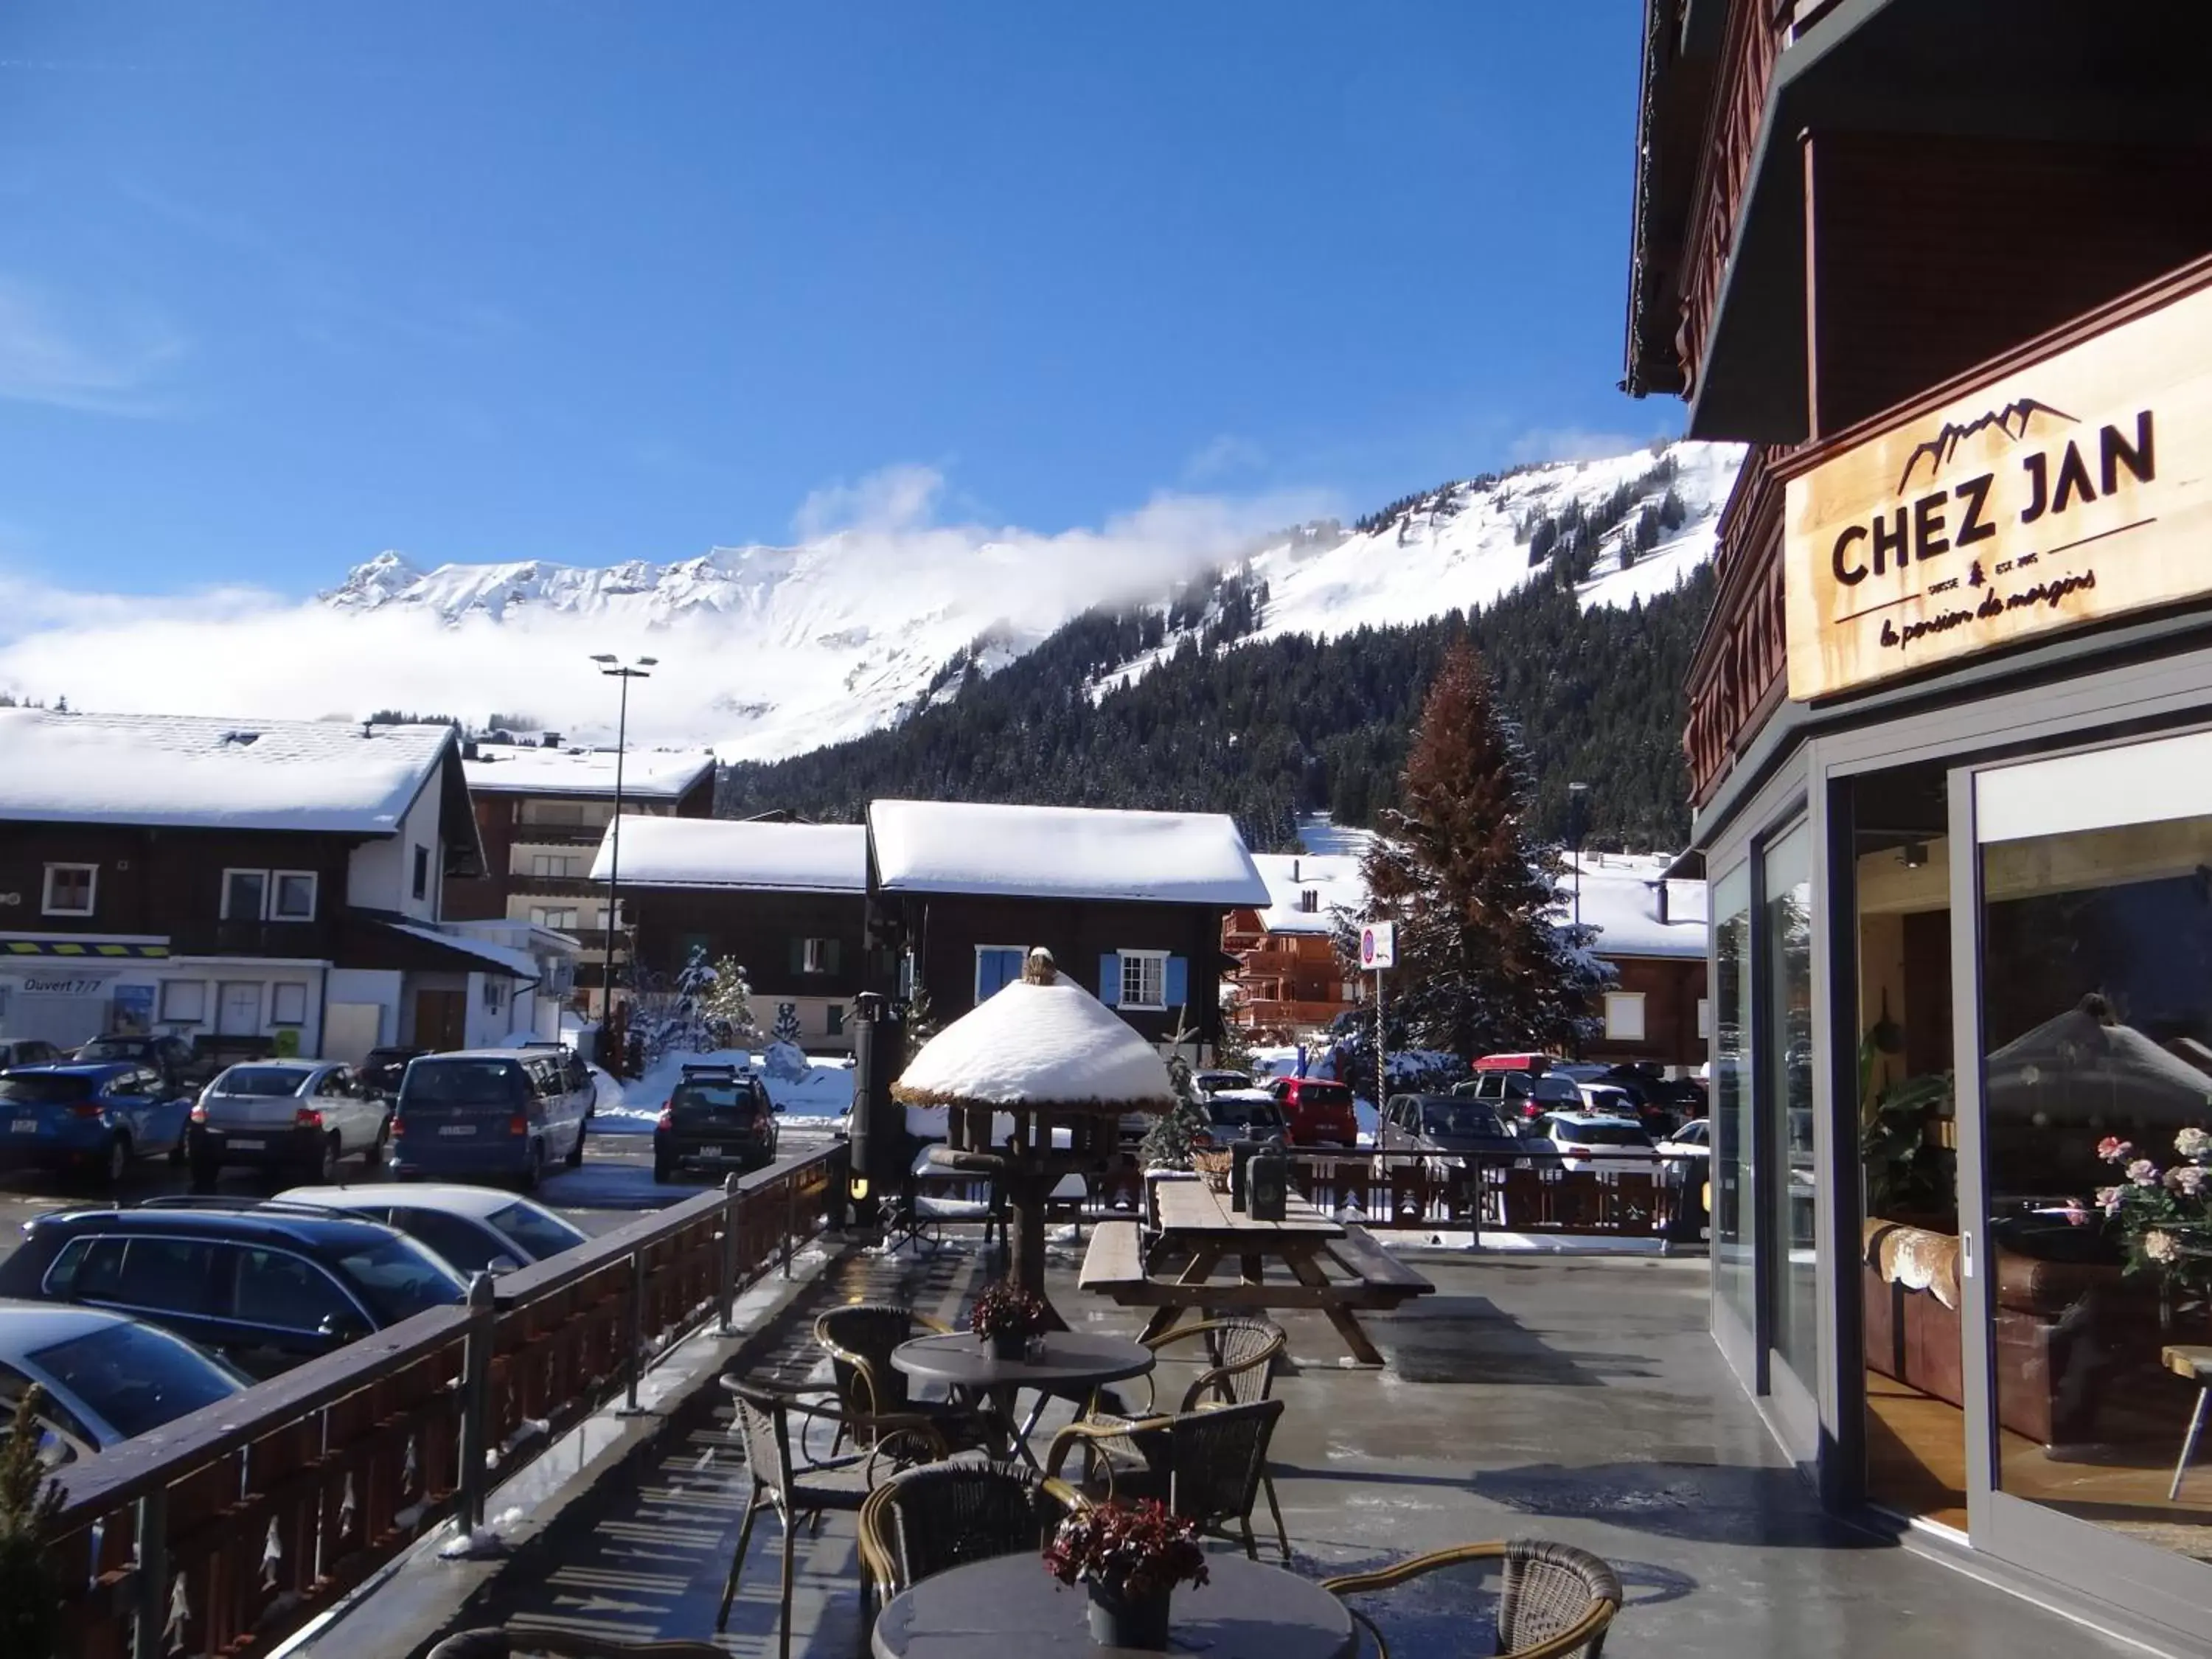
[[1378, 945]]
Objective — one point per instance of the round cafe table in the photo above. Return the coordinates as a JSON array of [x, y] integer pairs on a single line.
[[1071, 1364], [1012, 1606]]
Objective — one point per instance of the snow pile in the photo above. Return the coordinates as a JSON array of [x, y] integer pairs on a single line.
[[1062, 852], [724, 853], [1034, 1045], [1333, 882], [825, 1090], [187, 769]]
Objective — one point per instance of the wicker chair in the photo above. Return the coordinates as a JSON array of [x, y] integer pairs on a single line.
[[564, 1644], [1205, 1465], [1556, 1602], [796, 1490], [926, 1520], [1241, 1356], [859, 1340]]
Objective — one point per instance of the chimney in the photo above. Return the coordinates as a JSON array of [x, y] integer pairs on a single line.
[[1661, 885], [1294, 870]]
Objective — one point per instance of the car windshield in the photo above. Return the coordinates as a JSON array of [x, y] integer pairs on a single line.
[[1556, 1088], [112, 1048], [1460, 1120], [400, 1279], [267, 1081], [135, 1377], [538, 1231], [463, 1082], [1324, 1094], [43, 1088], [1602, 1135], [1245, 1114], [1223, 1080]]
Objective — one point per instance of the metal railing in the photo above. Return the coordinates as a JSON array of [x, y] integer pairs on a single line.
[[227, 1530]]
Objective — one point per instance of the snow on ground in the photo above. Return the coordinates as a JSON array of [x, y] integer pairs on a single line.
[[633, 1108]]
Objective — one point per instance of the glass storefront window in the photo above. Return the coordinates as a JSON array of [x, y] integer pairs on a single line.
[[2096, 1023], [1734, 1213], [1793, 1197]]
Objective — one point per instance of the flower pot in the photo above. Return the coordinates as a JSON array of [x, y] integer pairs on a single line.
[[1004, 1346], [1119, 1621]]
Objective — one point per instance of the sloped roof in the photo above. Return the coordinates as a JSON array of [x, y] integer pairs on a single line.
[[186, 770], [1333, 879], [1062, 852], [521, 964], [740, 856], [1620, 898], [647, 773]]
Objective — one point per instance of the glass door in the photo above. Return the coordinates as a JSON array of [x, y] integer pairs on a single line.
[[2088, 1055], [1789, 1220]]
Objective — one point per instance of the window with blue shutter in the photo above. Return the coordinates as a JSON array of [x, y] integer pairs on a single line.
[[1178, 982], [1110, 980], [997, 966]]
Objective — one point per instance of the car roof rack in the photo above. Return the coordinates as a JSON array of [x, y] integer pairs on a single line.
[[218, 1202], [717, 1068]]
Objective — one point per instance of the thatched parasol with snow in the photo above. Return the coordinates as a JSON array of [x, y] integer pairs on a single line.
[[1034, 1082]]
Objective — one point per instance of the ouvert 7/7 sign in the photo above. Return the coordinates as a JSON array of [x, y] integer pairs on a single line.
[[2071, 491]]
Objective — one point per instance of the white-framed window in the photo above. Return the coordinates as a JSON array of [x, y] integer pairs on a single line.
[[184, 1001], [1144, 979], [817, 955], [554, 866], [291, 896], [1705, 1018], [287, 1003], [1623, 1016], [560, 917], [245, 895], [71, 888], [495, 993]]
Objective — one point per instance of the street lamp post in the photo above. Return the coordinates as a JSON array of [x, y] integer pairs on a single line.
[[1577, 806], [613, 666]]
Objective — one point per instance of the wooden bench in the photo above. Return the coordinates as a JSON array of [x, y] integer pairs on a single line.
[[1382, 1275], [1115, 1260]]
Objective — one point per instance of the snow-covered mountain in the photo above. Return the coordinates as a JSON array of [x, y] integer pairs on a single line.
[[812, 644]]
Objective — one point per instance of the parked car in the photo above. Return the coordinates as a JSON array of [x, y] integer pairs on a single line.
[[1505, 1092], [475, 1229], [497, 1112], [1316, 1112], [1585, 1141], [1694, 1140], [720, 1116], [1212, 1083], [179, 1063], [382, 1069], [27, 1051], [105, 1376], [266, 1289], [1444, 1125], [303, 1114], [90, 1118], [1240, 1114]]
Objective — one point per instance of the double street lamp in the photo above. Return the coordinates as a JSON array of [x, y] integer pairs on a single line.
[[614, 667]]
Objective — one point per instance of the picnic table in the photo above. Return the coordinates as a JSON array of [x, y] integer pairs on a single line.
[[1198, 1229]]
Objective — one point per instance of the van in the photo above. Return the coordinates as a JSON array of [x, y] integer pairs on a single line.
[[502, 1114]]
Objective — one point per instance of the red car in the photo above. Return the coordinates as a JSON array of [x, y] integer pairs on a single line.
[[1316, 1112]]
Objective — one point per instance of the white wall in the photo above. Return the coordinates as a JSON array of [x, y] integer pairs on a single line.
[[378, 988], [381, 874]]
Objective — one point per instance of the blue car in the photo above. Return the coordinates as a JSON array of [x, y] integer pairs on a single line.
[[90, 1118], [495, 1114]]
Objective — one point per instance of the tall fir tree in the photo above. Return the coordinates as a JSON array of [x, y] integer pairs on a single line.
[[1482, 966]]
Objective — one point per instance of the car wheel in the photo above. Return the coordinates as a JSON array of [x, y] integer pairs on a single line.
[[576, 1152], [326, 1169], [118, 1160], [533, 1171], [205, 1175], [664, 1169], [375, 1155], [176, 1154]]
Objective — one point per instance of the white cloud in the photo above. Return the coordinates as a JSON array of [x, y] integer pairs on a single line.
[[115, 366], [780, 650], [1222, 455], [1574, 443]]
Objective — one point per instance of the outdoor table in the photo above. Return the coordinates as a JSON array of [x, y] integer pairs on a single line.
[[1012, 1606], [1073, 1363], [1198, 1223]]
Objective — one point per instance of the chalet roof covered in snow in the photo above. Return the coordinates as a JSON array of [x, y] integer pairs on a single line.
[[1305, 889], [1062, 852], [1622, 896], [647, 773], [740, 856], [186, 770]]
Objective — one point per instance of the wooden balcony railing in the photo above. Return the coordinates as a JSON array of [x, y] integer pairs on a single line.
[[1287, 1014], [1740, 672], [1753, 41]]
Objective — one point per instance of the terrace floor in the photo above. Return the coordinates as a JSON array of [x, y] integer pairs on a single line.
[[1574, 1398]]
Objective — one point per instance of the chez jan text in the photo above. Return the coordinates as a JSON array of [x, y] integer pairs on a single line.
[[1932, 525]]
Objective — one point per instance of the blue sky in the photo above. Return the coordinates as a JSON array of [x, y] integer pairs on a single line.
[[284, 285]]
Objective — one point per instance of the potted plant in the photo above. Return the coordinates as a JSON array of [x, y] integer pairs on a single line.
[[1129, 1557], [2163, 1215], [1006, 1316]]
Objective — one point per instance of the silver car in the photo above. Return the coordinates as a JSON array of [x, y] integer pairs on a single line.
[[299, 1116]]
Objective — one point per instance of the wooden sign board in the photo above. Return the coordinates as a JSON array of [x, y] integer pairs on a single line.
[[2069, 491]]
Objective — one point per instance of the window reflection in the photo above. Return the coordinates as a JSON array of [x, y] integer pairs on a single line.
[[1793, 1200], [1734, 1217]]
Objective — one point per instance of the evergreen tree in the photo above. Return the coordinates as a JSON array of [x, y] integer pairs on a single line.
[[1481, 966], [921, 1022], [30, 1600], [727, 1007]]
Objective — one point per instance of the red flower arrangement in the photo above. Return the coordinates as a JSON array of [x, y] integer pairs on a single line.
[[1130, 1551], [1009, 1312]]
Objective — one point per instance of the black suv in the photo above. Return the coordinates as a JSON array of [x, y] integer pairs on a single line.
[[381, 1073], [172, 1056], [266, 1289], [717, 1115]]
